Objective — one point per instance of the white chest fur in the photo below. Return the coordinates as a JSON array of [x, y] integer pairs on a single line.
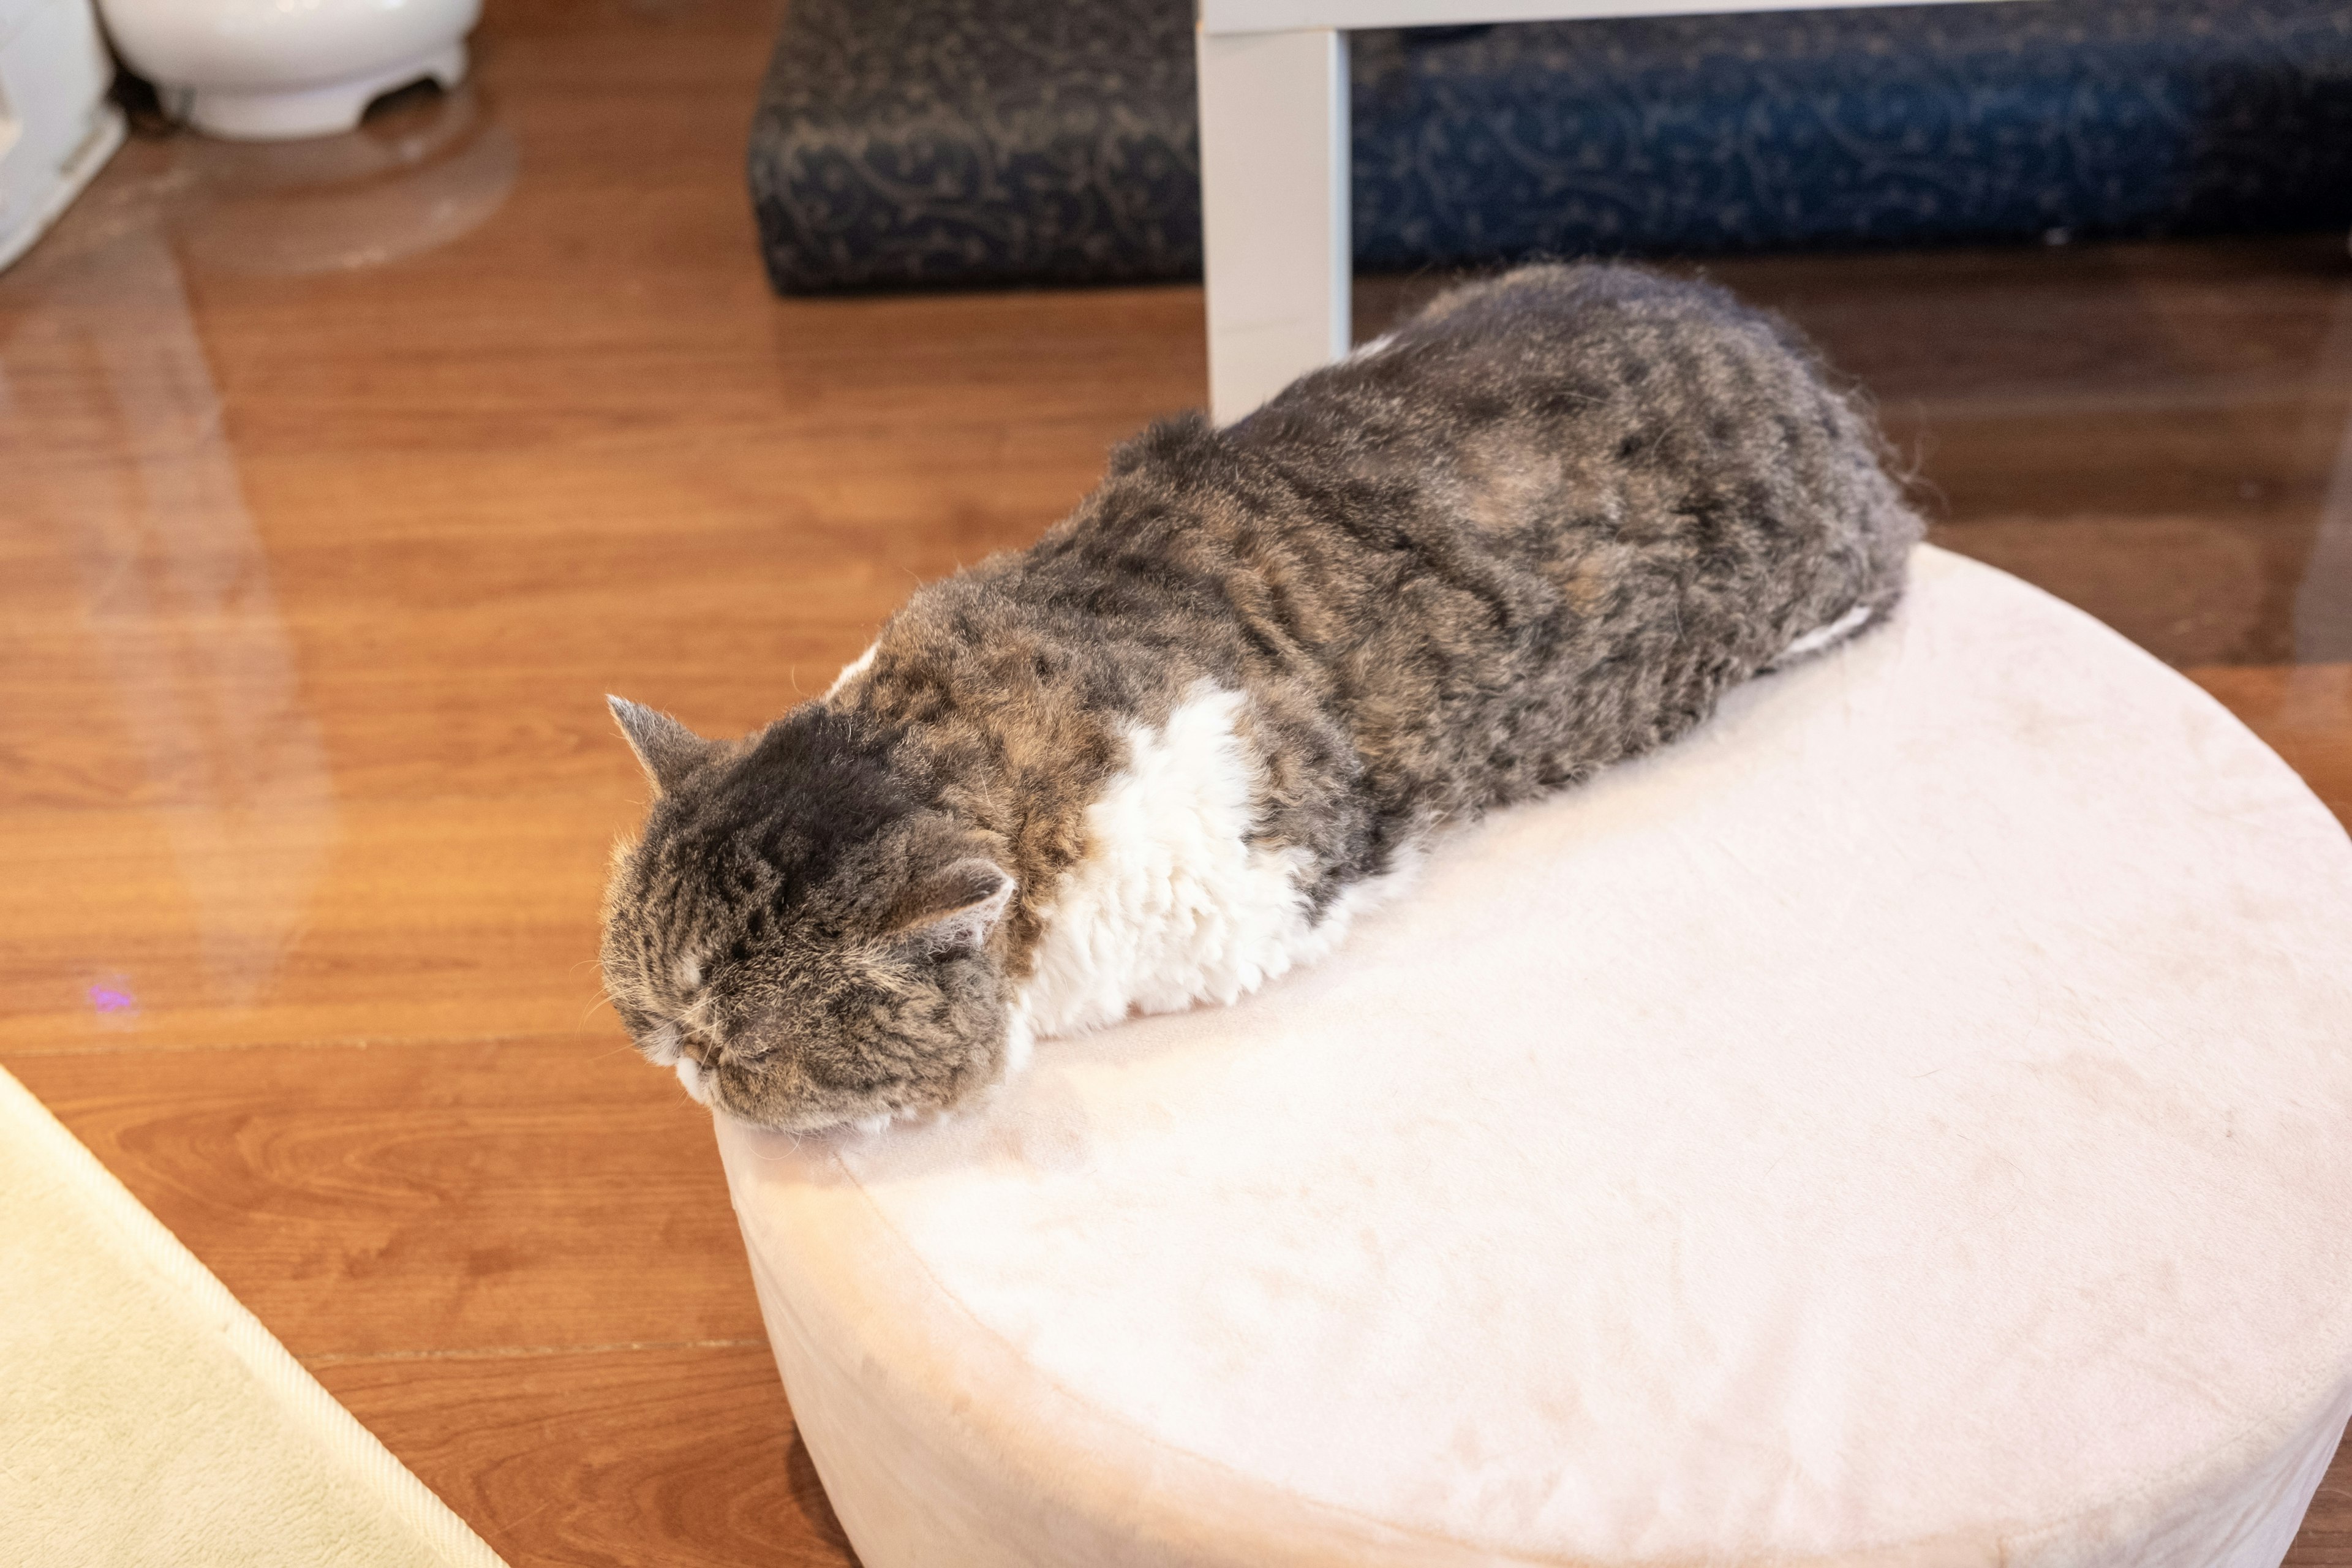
[[1172, 904]]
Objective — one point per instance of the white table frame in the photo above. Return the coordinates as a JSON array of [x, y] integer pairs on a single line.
[[1273, 168]]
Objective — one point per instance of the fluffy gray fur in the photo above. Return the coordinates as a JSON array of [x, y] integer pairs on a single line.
[[1542, 528]]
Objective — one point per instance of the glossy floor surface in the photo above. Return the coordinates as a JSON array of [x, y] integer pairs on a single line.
[[340, 481]]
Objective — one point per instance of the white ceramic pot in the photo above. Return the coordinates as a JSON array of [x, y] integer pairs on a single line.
[[261, 70]]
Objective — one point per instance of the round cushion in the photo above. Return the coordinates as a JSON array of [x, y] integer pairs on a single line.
[[1909, 1120]]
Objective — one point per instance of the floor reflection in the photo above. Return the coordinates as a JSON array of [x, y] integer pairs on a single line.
[[119, 458], [174, 594], [417, 174]]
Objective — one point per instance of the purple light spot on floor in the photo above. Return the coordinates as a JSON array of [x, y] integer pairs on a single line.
[[107, 999]]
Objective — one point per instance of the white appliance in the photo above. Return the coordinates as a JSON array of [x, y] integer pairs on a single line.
[[56, 128], [266, 70]]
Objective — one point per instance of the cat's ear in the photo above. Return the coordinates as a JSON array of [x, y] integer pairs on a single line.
[[667, 749], [955, 908]]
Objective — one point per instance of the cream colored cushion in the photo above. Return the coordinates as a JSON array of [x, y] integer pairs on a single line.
[[1907, 1121]]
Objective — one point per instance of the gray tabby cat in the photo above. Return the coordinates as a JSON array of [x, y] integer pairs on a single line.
[[1171, 750]]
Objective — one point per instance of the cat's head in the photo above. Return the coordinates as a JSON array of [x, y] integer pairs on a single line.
[[805, 943]]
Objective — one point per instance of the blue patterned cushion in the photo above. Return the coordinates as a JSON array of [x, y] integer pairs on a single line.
[[948, 141]]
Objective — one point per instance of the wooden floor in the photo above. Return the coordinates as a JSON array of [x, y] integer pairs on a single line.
[[339, 482]]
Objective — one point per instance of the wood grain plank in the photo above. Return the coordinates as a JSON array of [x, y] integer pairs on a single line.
[[685, 1457], [2304, 714], [426, 1196]]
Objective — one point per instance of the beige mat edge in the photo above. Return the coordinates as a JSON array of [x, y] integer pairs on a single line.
[[337, 1432]]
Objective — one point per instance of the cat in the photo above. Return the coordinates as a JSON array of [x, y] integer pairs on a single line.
[[1171, 749]]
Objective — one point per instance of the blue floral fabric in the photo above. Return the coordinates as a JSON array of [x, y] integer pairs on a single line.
[[956, 142]]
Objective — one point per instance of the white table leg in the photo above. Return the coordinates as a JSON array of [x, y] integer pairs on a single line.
[[1273, 209]]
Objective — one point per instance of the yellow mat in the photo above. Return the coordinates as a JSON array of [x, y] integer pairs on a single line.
[[147, 1419]]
